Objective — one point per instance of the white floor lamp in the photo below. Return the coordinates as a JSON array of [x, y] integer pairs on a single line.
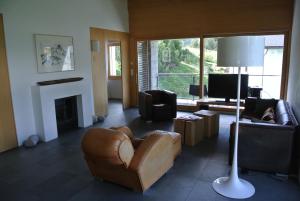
[[238, 51]]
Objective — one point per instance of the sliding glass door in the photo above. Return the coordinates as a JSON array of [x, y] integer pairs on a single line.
[[172, 64]]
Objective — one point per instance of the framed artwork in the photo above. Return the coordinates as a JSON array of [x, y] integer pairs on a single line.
[[54, 53]]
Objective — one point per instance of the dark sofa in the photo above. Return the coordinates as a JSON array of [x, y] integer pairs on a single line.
[[157, 105], [264, 146]]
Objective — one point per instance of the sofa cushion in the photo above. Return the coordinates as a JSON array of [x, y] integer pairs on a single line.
[[126, 152], [111, 146], [157, 96], [262, 105], [282, 116], [254, 120], [250, 104], [125, 130], [269, 115]]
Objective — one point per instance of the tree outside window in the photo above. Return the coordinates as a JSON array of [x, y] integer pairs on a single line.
[[114, 62]]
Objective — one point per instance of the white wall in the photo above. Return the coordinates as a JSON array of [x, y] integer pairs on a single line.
[[294, 72], [23, 18], [114, 88]]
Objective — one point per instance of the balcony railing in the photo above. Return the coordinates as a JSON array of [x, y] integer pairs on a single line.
[[178, 83]]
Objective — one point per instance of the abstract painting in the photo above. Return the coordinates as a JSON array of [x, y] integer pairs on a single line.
[[54, 53]]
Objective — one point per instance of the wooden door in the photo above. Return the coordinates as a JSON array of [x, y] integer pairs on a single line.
[[125, 69], [100, 72], [8, 139]]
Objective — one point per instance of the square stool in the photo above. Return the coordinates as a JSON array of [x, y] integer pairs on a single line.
[[211, 122], [191, 129]]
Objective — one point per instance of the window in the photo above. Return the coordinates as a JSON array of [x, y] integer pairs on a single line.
[[268, 78], [174, 65], [143, 65], [114, 60]]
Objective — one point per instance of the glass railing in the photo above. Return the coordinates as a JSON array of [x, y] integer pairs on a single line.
[[178, 83], [269, 83]]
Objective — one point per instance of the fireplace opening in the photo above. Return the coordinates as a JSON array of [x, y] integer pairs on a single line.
[[66, 114]]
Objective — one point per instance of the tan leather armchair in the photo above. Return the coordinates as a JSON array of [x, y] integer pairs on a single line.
[[115, 155]]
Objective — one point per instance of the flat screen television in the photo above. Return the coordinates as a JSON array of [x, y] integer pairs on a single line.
[[225, 86]]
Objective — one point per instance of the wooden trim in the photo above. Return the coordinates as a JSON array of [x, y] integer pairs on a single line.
[[100, 71], [115, 77], [134, 72], [164, 19], [286, 53], [113, 44], [187, 108], [285, 66], [285, 63], [257, 33], [8, 134], [201, 67], [207, 35], [174, 19]]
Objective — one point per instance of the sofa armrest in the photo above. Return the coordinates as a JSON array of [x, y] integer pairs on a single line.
[[266, 126], [262, 146], [152, 159], [127, 131], [171, 99], [136, 142], [145, 105]]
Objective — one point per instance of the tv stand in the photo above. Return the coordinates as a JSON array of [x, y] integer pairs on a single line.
[[221, 101], [218, 105]]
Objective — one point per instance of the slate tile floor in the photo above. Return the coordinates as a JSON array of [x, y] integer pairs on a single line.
[[56, 170]]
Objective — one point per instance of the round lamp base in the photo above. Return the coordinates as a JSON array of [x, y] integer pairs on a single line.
[[234, 188]]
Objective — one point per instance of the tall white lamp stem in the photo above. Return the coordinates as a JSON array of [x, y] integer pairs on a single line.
[[234, 167], [232, 186]]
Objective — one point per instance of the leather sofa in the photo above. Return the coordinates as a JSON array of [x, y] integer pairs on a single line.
[[115, 155], [157, 105], [268, 147]]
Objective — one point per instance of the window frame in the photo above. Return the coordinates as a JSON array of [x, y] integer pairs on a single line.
[[285, 61], [113, 44]]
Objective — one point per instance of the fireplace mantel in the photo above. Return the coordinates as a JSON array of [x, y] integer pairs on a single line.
[[44, 106]]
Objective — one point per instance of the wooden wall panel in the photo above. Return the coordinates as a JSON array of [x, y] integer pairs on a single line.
[[157, 19], [134, 76], [151, 19], [8, 139], [99, 73], [99, 68]]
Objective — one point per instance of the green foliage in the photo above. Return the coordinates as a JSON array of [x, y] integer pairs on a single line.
[[211, 43], [118, 61], [196, 43], [178, 84], [183, 57], [176, 54], [172, 49]]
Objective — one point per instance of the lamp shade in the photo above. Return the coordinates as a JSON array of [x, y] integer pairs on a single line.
[[241, 51]]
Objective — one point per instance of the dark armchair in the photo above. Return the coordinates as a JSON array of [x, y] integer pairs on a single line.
[[157, 105]]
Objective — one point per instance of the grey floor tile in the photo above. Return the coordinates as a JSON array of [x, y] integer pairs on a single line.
[[57, 171]]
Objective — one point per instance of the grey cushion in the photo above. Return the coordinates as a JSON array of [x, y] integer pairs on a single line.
[[282, 116], [262, 105]]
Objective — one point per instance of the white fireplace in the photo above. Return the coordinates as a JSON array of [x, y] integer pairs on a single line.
[[44, 106]]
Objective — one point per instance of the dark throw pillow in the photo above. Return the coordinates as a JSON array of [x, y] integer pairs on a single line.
[[250, 104], [262, 105], [269, 115]]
